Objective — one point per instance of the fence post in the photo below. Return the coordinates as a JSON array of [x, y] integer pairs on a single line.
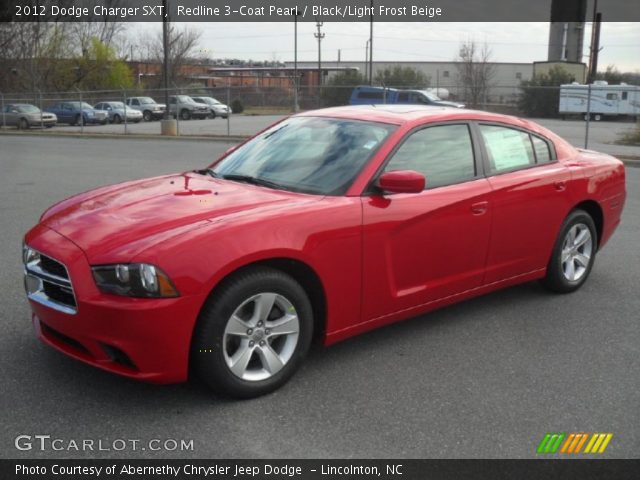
[[229, 107], [124, 100], [588, 119], [81, 113], [4, 123], [40, 106]]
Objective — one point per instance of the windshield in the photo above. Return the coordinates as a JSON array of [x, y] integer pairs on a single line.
[[147, 100], [116, 105], [28, 109], [85, 105], [184, 99], [431, 96], [308, 154]]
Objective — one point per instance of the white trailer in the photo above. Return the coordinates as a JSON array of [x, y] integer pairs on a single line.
[[606, 100]]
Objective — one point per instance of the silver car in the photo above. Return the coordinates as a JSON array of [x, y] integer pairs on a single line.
[[24, 116], [187, 108], [151, 110], [217, 108], [117, 112]]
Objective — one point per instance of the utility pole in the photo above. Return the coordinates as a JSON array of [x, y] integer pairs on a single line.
[[595, 47], [319, 35], [165, 46], [296, 105], [371, 45]]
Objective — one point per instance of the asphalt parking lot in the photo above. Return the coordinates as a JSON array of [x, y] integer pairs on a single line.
[[483, 379]]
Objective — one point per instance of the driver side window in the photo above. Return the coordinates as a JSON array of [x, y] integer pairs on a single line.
[[443, 154]]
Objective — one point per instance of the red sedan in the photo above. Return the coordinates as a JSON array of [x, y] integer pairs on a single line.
[[327, 224]]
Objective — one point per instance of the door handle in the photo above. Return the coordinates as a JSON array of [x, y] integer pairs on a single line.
[[560, 186], [479, 208]]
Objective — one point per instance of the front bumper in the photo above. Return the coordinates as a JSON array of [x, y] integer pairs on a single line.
[[144, 339]]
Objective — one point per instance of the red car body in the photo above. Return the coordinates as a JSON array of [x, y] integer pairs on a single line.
[[367, 259]]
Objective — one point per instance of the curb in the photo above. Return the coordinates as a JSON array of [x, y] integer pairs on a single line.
[[129, 136]]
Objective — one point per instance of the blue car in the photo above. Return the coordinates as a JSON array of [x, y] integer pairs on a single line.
[[74, 113], [366, 95]]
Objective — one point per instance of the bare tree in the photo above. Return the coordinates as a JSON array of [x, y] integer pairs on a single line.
[[183, 43], [475, 72]]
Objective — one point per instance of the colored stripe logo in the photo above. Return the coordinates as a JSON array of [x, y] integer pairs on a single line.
[[572, 443]]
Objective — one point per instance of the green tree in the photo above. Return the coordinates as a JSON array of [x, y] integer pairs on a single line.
[[402, 77], [541, 95], [339, 87], [99, 69]]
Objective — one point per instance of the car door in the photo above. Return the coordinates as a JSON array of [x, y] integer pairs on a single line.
[[421, 247], [529, 199], [10, 115]]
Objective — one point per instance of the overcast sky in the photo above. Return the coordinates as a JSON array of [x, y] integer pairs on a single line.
[[509, 42]]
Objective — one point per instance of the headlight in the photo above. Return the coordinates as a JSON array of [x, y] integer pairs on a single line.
[[134, 280], [29, 255]]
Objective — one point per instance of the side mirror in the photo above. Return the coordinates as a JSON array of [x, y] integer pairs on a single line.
[[401, 181]]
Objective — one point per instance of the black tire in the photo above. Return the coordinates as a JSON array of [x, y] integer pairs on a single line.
[[212, 115], [23, 124], [207, 349], [117, 119], [147, 116], [556, 278], [77, 119], [185, 114]]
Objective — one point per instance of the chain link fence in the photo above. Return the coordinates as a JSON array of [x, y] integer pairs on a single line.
[[570, 102]]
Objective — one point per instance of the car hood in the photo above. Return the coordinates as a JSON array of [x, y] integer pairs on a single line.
[[122, 220], [446, 103]]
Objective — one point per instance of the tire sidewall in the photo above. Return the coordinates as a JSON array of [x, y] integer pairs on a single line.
[[207, 348]]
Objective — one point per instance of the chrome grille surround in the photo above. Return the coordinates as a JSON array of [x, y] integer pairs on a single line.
[[38, 280]]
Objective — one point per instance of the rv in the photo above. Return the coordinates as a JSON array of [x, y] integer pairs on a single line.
[[365, 95], [606, 100]]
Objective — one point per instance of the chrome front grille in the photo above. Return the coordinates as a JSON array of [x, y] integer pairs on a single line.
[[47, 281]]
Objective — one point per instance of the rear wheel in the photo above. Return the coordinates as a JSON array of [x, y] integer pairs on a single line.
[[573, 254], [252, 334]]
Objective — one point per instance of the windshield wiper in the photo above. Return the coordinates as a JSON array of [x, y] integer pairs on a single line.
[[207, 171], [253, 181]]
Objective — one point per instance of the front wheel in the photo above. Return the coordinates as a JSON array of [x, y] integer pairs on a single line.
[[147, 115], [253, 333], [117, 118], [573, 254], [23, 124], [185, 114]]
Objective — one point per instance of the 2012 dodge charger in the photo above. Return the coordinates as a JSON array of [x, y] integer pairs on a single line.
[[325, 225]]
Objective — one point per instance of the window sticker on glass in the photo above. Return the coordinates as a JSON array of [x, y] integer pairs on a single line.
[[370, 144], [507, 148]]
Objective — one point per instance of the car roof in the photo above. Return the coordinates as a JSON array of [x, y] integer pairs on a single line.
[[418, 114]]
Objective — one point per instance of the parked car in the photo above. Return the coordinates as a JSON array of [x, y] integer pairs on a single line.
[[187, 108], [151, 110], [74, 113], [216, 108], [116, 112], [328, 224], [24, 116], [366, 95]]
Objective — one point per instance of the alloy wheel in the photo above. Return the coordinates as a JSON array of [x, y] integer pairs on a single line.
[[261, 336], [577, 250]]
